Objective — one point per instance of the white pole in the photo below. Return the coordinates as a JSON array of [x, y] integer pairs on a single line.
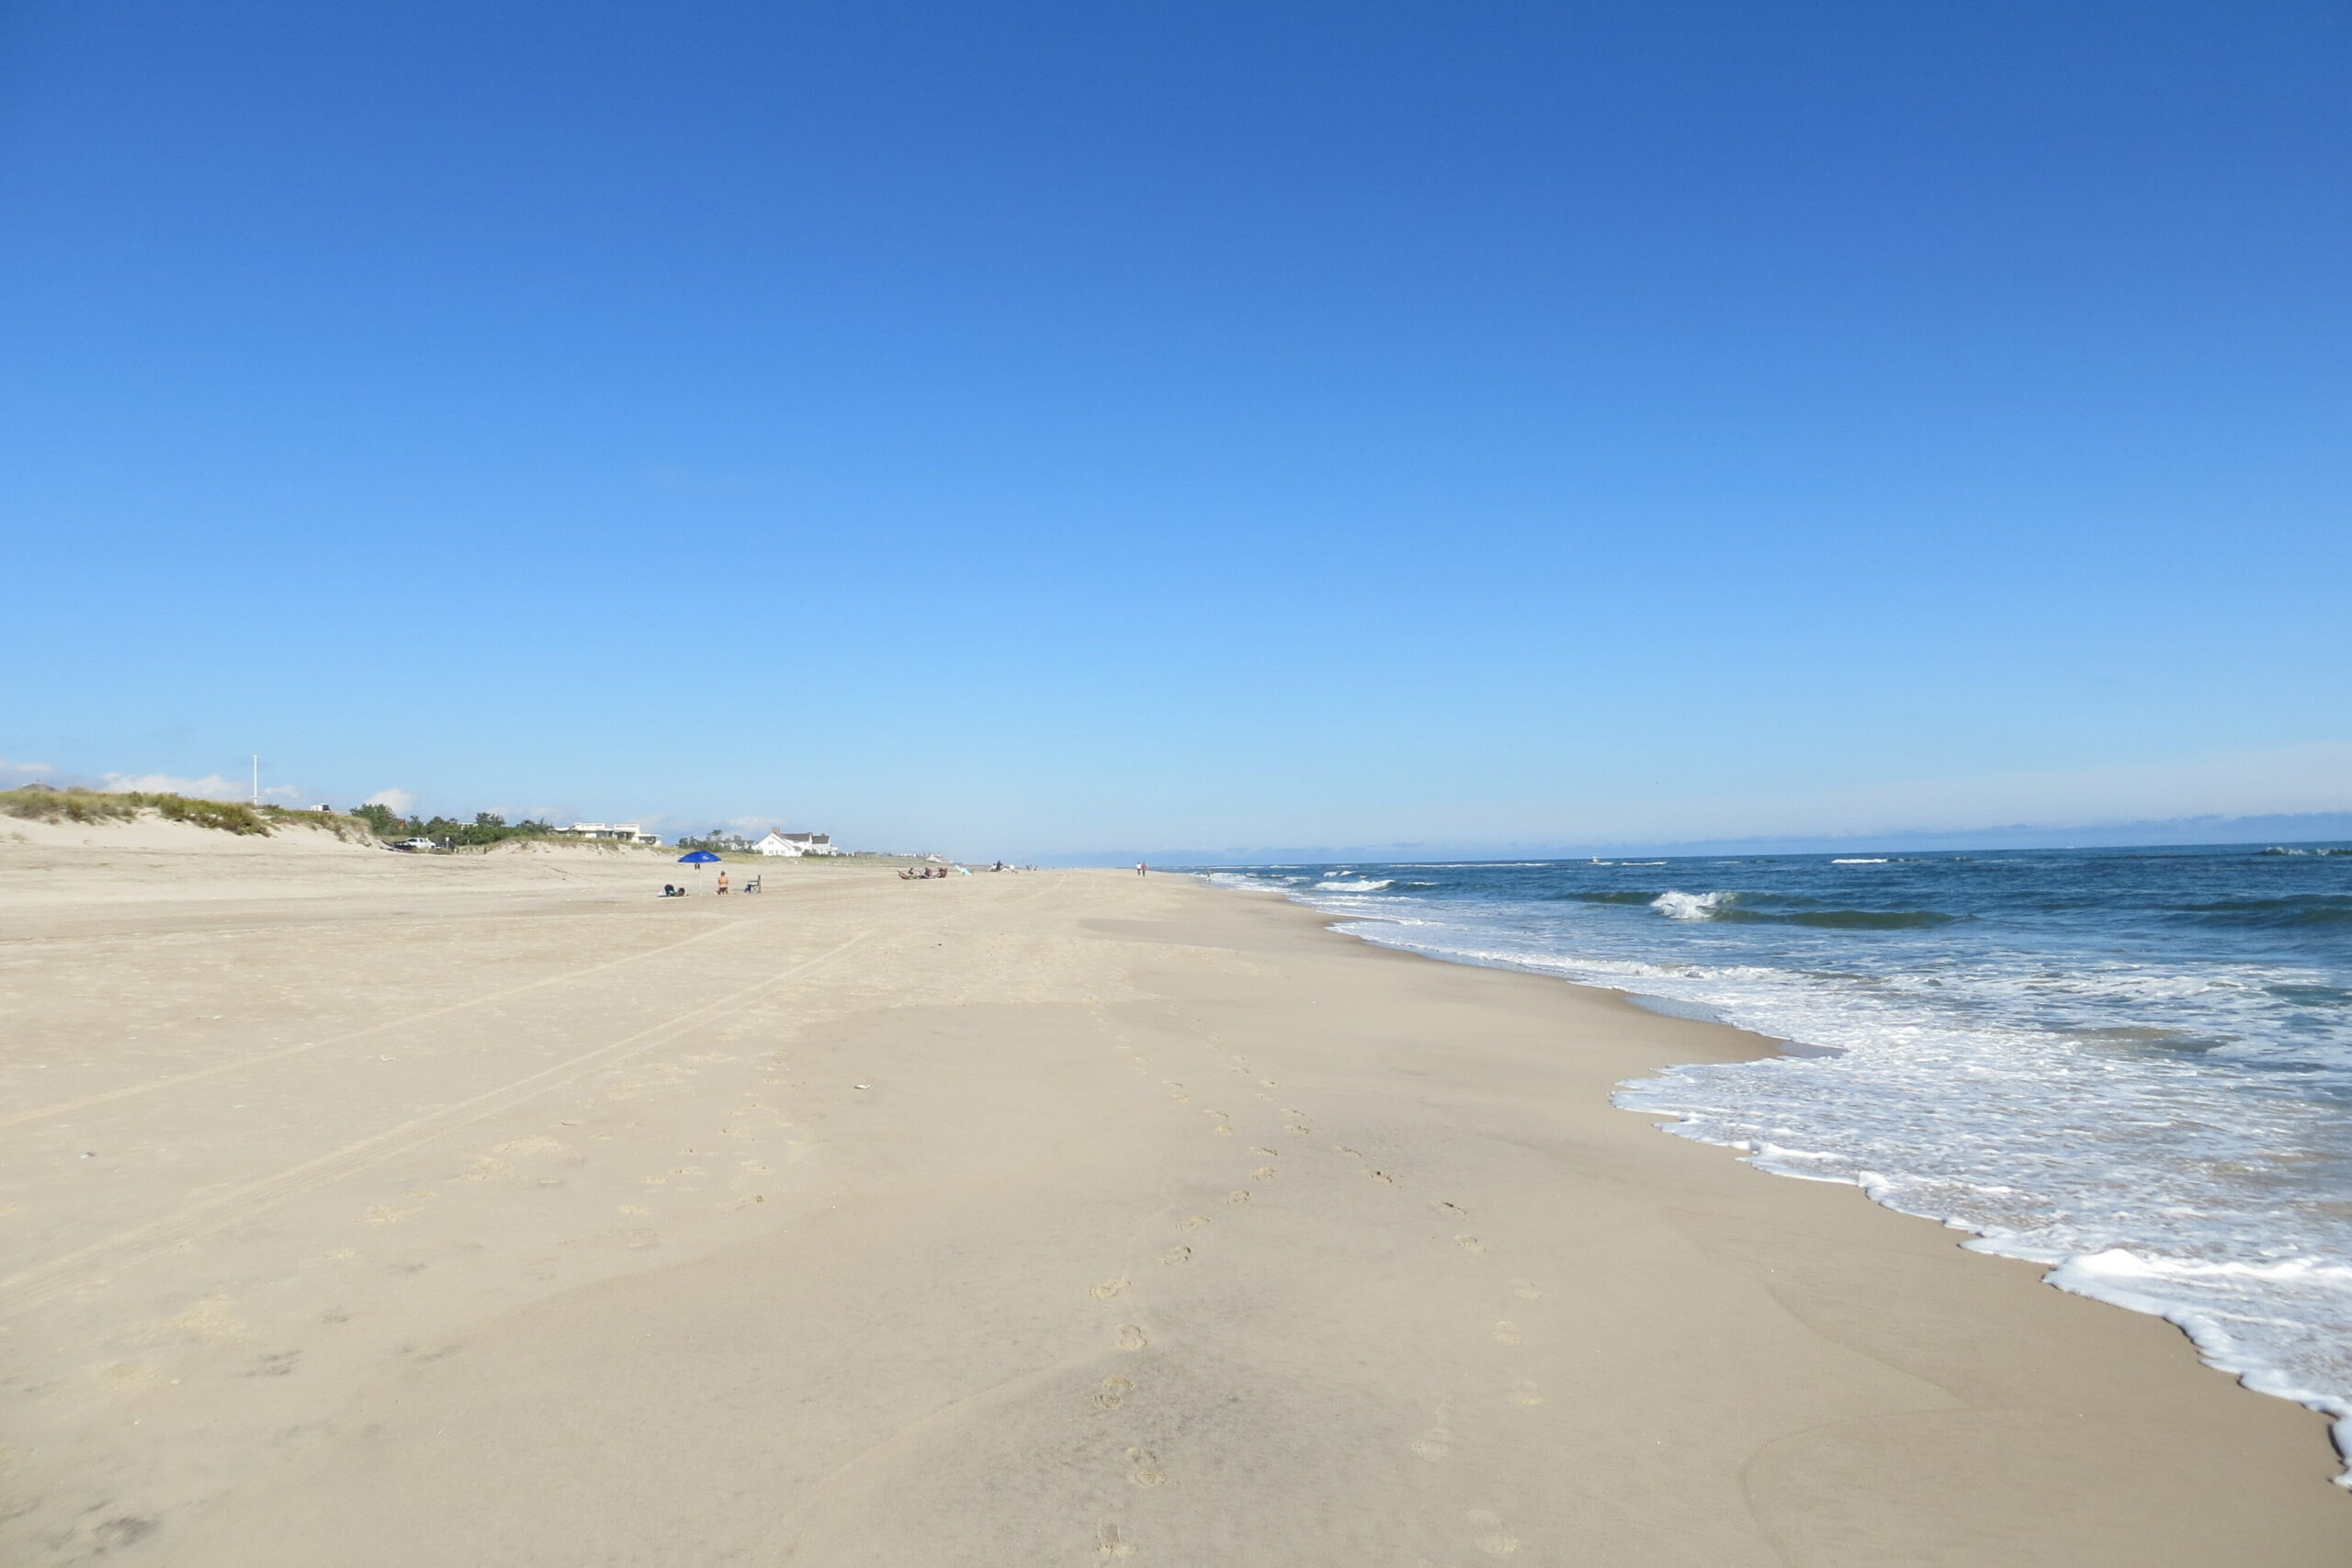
[[256, 778]]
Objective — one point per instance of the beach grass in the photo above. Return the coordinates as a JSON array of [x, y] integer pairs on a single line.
[[95, 806]]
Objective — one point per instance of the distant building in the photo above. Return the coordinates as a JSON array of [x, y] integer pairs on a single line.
[[620, 832], [779, 842]]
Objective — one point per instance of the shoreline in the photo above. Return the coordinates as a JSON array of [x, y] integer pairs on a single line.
[[1059, 1216], [2108, 1276]]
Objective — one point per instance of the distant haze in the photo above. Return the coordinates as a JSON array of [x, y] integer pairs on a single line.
[[2323, 828]]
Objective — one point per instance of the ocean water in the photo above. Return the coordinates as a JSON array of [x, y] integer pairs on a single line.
[[2133, 1066]]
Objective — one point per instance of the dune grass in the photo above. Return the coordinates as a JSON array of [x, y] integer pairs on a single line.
[[93, 806]]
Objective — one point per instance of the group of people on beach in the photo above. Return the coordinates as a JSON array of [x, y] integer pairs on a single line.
[[669, 891], [929, 871]]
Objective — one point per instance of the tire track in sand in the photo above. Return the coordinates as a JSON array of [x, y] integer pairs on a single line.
[[258, 1058], [29, 1287]]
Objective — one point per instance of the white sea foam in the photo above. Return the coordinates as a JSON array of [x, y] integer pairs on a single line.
[[1244, 880], [1362, 885], [1691, 906], [2071, 1108], [1859, 859], [2129, 1185]]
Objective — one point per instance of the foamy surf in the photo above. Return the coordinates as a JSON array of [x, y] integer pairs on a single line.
[[1992, 1040], [1691, 906]]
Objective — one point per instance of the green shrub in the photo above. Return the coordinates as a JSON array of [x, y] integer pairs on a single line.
[[228, 816]]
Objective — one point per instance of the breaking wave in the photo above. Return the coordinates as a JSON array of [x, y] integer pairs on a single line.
[[2133, 1067], [1728, 906]]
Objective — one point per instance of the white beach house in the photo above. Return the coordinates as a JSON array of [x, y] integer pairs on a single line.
[[625, 832], [779, 842]]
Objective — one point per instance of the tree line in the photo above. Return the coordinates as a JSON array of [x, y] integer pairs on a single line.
[[487, 828]]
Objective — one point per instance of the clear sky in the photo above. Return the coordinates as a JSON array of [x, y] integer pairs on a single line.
[[1025, 427]]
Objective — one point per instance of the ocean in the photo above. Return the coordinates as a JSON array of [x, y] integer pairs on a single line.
[[2132, 1066]]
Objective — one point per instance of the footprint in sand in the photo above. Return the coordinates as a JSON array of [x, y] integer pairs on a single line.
[[1112, 1394], [1238, 1195], [1270, 1153], [1176, 1255], [1524, 1396], [1506, 1333], [1179, 1097], [1263, 1173], [1298, 1129], [1469, 1243], [1491, 1538], [1143, 1467], [1343, 1149], [537, 1143], [277, 1365], [1111, 1547], [1194, 1223], [1456, 1210], [1109, 1288], [1524, 1289], [1224, 1130], [1131, 1338], [1434, 1444], [1380, 1176]]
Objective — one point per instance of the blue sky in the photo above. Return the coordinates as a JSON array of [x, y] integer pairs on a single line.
[[1034, 427]]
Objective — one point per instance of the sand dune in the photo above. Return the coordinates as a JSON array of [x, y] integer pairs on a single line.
[[364, 1211]]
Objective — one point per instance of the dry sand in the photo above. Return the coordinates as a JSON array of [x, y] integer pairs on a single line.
[[363, 1212]]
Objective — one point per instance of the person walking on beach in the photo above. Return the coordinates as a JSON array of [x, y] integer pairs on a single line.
[[722, 881], [1142, 870]]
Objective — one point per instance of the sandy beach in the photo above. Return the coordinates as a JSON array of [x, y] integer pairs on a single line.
[[364, 1211]]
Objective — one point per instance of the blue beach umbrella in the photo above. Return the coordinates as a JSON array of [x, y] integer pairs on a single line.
[[700, 857]]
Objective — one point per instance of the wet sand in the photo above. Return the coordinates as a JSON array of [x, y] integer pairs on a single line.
[[368, 1211]]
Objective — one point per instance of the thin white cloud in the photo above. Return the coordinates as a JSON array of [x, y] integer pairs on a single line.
[[212, 786], [9, 770], [402, 801], [2315, 776]]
